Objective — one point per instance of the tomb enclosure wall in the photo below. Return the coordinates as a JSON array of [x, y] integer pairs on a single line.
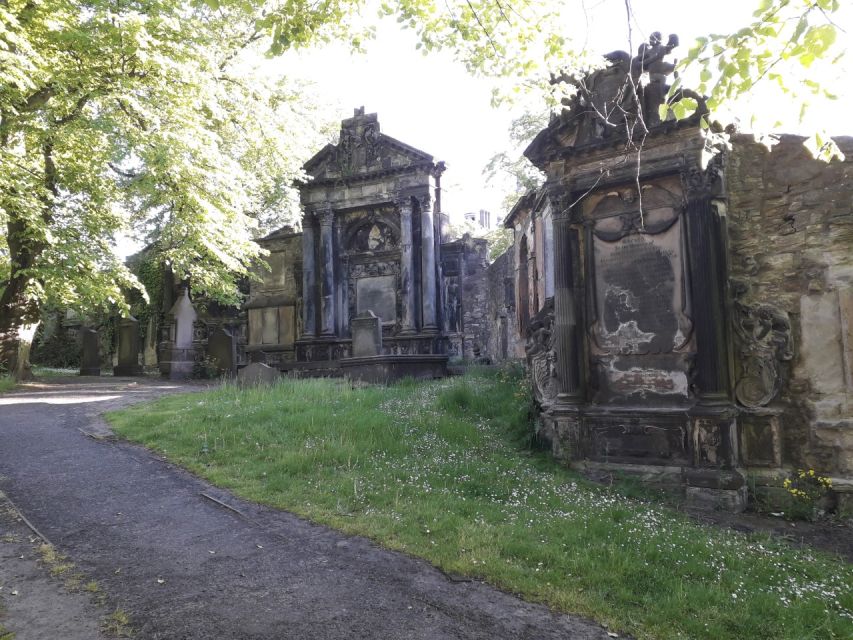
[[274, 306], [790, 227]]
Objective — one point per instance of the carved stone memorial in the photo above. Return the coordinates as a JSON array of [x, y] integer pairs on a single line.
[[128, 348], [639, 374], [222, 348], [366, 335], [178, 354], [90, 357]]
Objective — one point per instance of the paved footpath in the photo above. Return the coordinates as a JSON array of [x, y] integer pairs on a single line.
[[184, 567]]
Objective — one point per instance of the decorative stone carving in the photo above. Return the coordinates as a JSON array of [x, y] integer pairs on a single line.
[[542, 356], [763, 335]]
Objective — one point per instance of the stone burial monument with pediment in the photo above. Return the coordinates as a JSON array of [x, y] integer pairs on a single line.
[[370, 246], [639, 378]]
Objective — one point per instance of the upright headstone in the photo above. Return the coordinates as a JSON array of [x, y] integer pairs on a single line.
[[128, 348], [90, 358], [222, 348], [258, 373], [177, 355], [184, 316], [366, 335]]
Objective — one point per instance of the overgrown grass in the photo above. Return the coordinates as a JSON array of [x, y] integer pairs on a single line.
[[7, 383], [437, 470]]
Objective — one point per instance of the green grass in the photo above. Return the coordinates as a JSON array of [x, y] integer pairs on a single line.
[[7, 383], [439, 470]]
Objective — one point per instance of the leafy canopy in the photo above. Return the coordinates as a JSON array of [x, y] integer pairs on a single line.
[[145, 115]]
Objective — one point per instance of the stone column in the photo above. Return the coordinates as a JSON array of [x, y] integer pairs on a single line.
[[707, 278], [309, 277], [407, 266], [327, 278], [428, 287], [566, 247]]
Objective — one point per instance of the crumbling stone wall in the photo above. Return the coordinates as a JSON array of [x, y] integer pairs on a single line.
[[790, 223]]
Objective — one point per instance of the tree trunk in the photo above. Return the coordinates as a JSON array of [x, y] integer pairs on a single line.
[[20, 312], [19, 319]]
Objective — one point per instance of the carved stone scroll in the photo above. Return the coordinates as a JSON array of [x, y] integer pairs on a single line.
[[764, 342], [542, 355]]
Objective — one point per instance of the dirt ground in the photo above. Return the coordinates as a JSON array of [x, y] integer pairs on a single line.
[[33, 604], [184, 566]]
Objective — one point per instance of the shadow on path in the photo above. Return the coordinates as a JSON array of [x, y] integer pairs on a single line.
[[185, 567]]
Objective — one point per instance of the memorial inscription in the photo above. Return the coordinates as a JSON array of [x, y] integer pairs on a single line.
[[638, 282]]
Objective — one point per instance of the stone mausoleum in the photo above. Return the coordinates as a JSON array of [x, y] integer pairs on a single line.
[[373, 254], [700, 327]]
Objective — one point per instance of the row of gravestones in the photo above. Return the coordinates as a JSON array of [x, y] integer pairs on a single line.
[[221, 349]]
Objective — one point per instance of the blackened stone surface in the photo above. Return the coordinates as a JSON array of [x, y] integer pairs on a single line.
[[128, 348], [90, 360], [366, 335], [222, 347]]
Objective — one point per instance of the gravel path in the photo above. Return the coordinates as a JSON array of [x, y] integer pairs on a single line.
[[186, 567]]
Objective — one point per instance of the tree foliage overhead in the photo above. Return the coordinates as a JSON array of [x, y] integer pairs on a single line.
[[144, 116]]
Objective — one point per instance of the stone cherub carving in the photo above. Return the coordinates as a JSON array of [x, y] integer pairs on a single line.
[[627, 89]]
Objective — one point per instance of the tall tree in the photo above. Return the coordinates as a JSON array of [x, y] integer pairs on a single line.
[[120, 115]]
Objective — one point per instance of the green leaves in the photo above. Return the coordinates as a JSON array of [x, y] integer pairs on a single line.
[[774, 59], [153, 134]]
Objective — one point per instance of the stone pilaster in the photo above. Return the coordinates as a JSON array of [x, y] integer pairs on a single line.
[[407, 265], [566, 247], [707, 277], [327, 276], [309, 277], [428, 284]]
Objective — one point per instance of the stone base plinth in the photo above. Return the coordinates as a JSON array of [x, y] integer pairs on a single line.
[[688, 451], [90, 371], [127, 370], [385, 369], [177, 364]]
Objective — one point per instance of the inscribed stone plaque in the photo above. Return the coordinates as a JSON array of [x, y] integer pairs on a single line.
[[263, 325], [366, 335], [286, 325], [222, 347], [377, 294], [638, 282]]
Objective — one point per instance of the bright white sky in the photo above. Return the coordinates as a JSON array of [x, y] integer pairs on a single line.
[[431, 102]]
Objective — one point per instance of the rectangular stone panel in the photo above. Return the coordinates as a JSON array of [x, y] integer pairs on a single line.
[[638, 286], [377, 294], [286, 325], [648, 439]]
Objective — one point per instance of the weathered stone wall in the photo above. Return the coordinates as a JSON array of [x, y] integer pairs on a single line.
[[503, 340], [274, 305], [790, 222]]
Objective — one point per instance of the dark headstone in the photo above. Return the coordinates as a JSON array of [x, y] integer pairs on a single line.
[[366, 335], [222, 348], [128, 348], [258, 373], [90, 358]]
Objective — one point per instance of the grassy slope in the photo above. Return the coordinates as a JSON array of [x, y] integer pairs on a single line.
[[436, 470]]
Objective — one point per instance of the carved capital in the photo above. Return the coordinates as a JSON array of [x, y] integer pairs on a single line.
[[425, 202], [326, 217], [403, 202], [703, 183]]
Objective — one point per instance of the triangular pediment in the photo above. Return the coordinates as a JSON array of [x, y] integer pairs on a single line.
[[363, 150]]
